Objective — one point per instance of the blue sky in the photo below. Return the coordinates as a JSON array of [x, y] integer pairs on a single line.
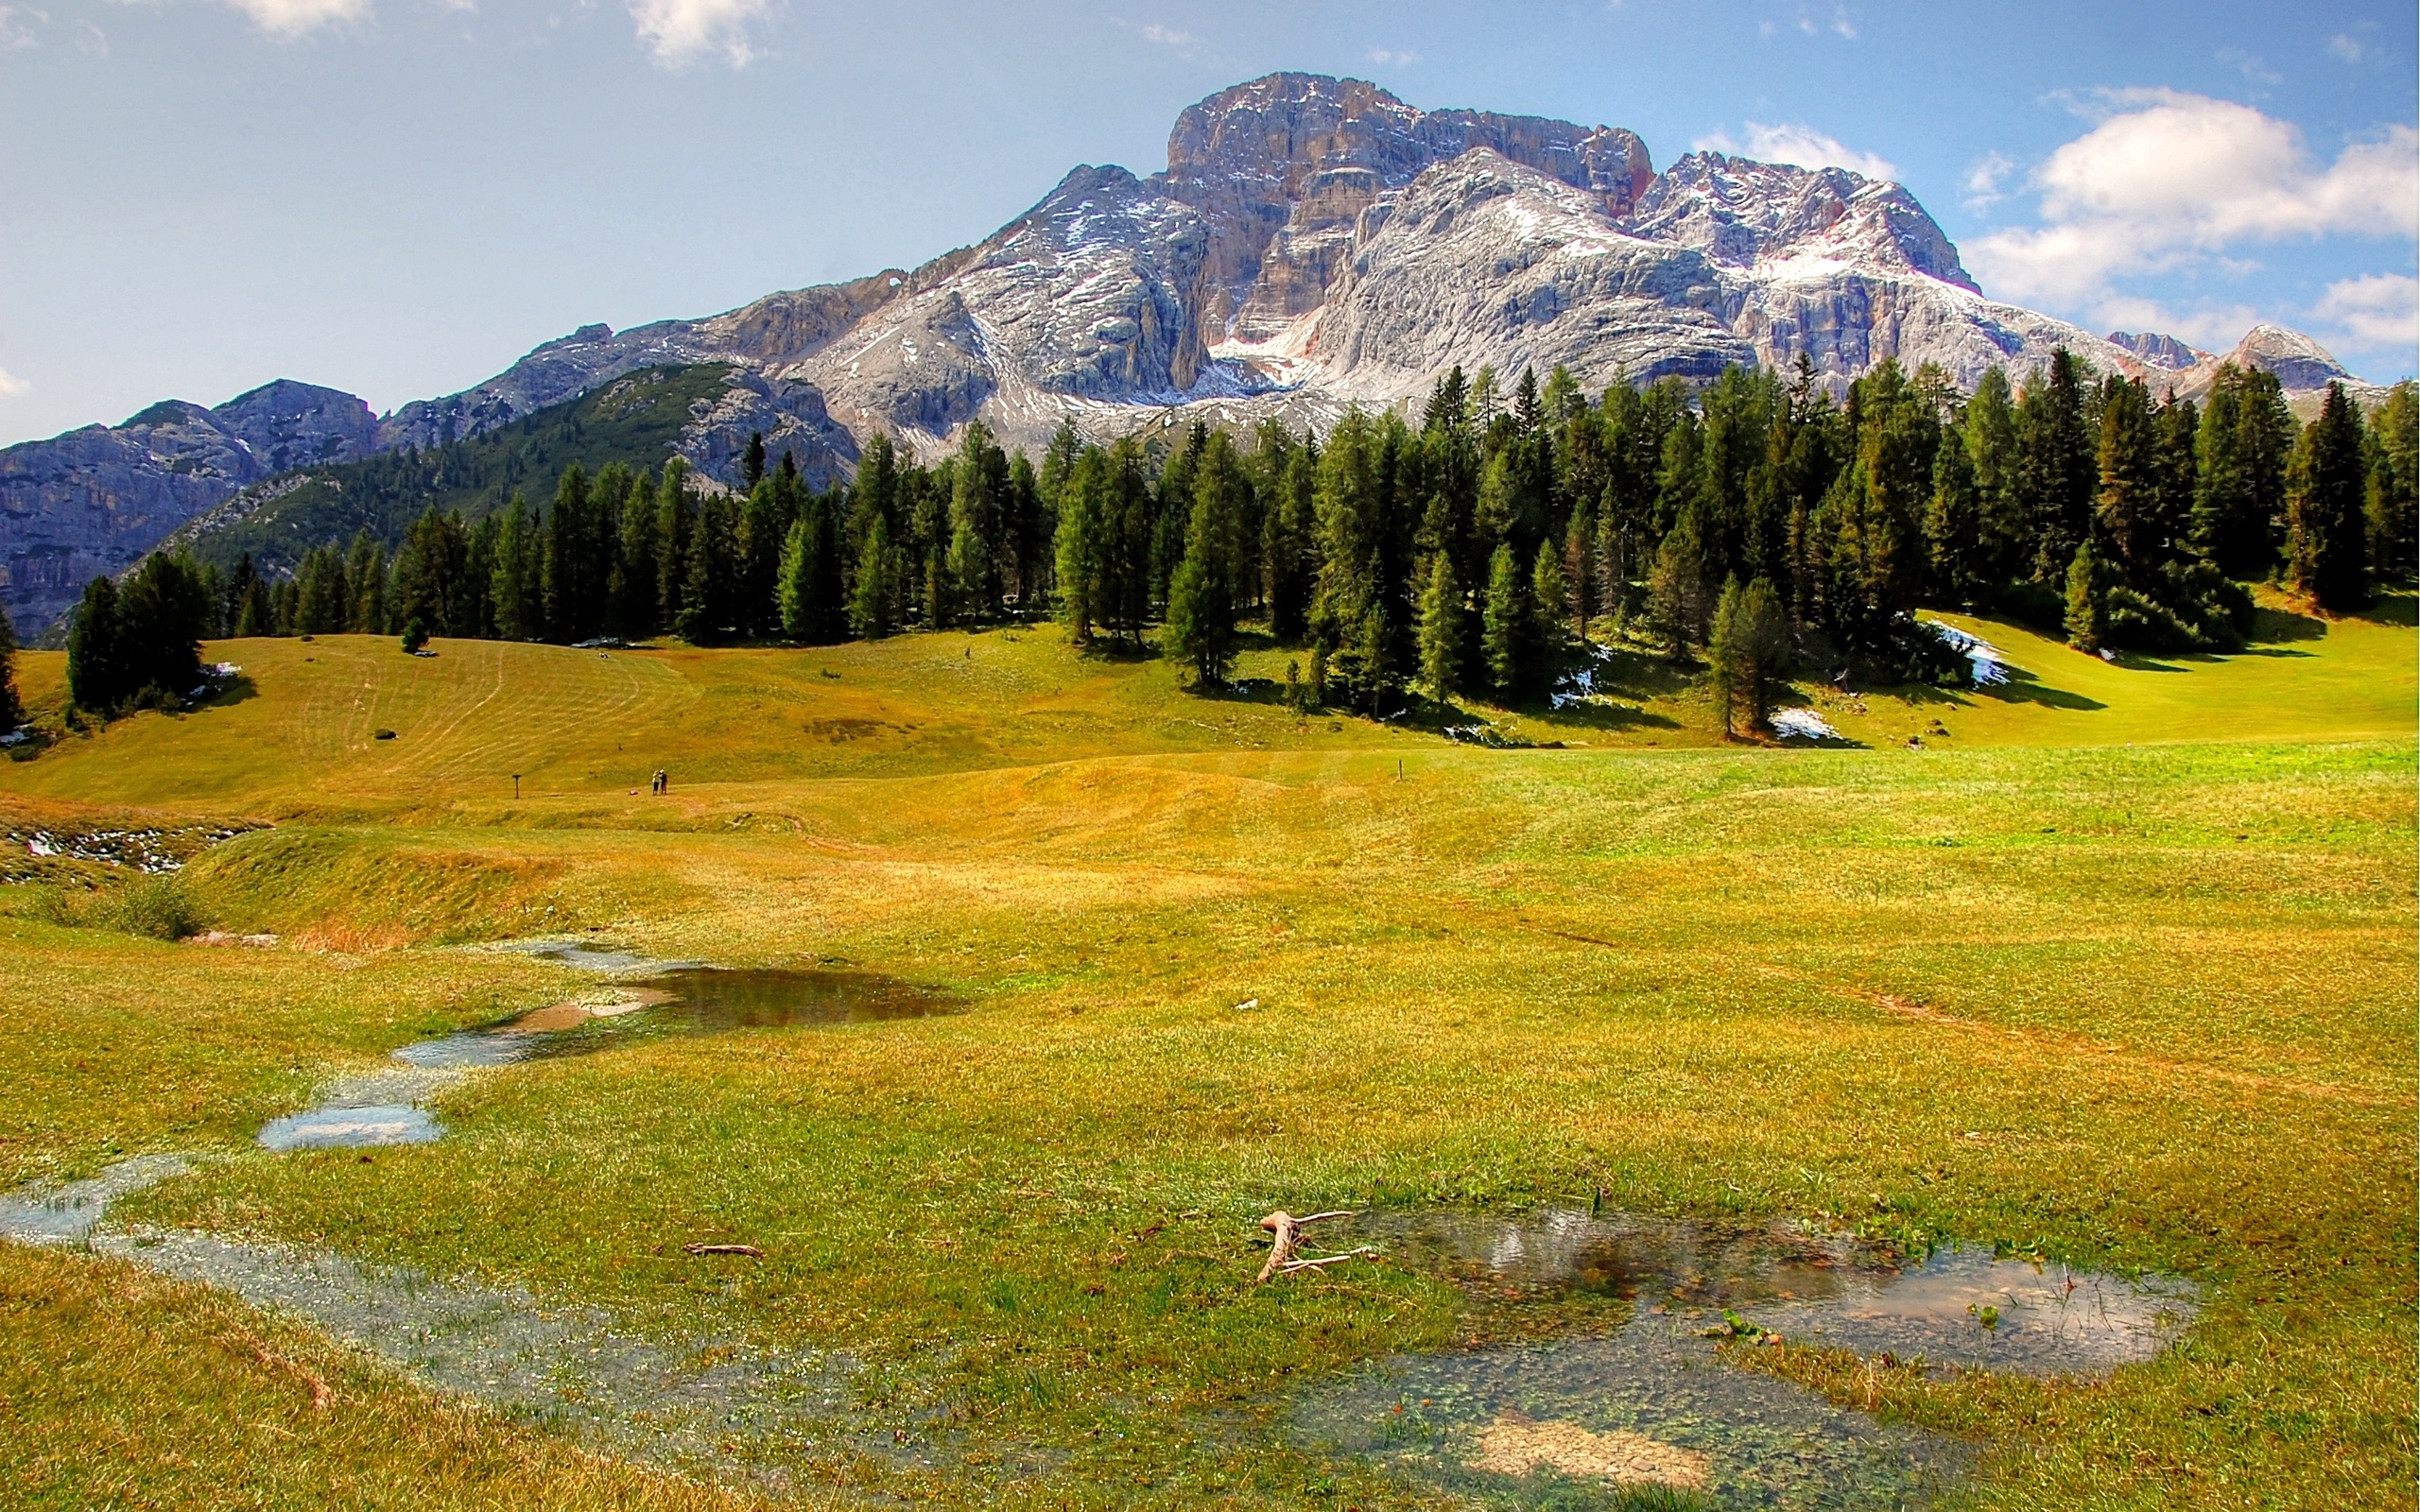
[[399, 196]]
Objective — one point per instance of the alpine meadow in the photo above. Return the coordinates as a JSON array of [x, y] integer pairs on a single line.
[[1410, 818]]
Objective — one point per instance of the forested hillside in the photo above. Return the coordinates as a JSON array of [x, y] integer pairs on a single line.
[[1756, 521], [636, 421]]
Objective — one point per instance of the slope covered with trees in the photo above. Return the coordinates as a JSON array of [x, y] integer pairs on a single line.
[[1461, 551]]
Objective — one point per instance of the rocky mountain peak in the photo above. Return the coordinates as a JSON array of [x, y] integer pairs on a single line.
[[1281, 168], [2157, 351], [1741, 213]]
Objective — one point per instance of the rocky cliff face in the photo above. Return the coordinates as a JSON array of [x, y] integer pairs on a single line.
[[1313, 243], [95, 500]]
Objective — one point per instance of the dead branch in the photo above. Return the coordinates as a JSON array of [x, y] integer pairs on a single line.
[[1294, 1265], [1288, 1231], [722, 1249]]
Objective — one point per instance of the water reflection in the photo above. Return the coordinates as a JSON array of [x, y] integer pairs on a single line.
[[1644, 1404]]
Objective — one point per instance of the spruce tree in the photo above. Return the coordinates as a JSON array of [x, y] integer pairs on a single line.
[[1081, 544], [2054, 463], [1288, 549], [520, 609], [2325, 484], [97, 671], [1203, 598], [1504, 624], [639, 570], [2395, 484], [12, 712], [1728, 661], [565, 567], [366, 572], [873, 593], [1442, 616], [2126, 506], [751, 462], [978, 509], [676, 527], [757, 567], [1961, 556], [2087, 606], [1676, 592], [1550, 600]]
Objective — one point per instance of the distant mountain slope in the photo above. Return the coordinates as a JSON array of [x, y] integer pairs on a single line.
[[641, 419], [1313, 243]]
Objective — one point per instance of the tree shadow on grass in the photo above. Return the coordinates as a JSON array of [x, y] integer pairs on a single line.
[[2399, 610], [2024, 687]]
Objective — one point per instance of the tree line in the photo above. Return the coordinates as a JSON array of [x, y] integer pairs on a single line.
[[1759, 522]]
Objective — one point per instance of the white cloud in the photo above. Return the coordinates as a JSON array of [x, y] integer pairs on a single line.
[[1800, 144], [1842, 24], [2172, 179], [17, 25], [1985, 176], [288, 19], [2375, 310], [2251, 65], [679, 32], [2346, 49], [12, 387], [1386, 59], [1168, 36]]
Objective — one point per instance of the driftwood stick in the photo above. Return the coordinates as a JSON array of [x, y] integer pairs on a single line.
[[722, 1249], [1288, 1231], [1294, 1265]]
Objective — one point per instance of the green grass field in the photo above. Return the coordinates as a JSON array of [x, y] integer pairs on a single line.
[[2121, 968]]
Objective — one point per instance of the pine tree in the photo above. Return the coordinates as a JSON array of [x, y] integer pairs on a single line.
[[366, 572], [639, 571], [873, 595], [1676, 592], [2126, 506], [1988, 427], [706, 588], [1081, 544], [1202, 595], [520, 609], [1550, 600], [1953, 526], [2087, 608], [810, 577], [977, 507], [12, 712], [565, 567], [163, 612], [751, 462], [97, 671], [2325, 484], [757, 565], [676, 528], [2054, 463], [1504, 624], [1442, 617], [2395, 484], [2246, 432], [1728, 661], [1288, 549]]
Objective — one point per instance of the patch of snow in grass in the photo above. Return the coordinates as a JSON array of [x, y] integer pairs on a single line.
[[1985, 663], [1802, 724]]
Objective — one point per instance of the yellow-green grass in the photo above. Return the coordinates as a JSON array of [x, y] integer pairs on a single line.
[[2147, 1006]]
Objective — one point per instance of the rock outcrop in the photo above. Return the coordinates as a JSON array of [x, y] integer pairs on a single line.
[[1313, 243], [95, 500]]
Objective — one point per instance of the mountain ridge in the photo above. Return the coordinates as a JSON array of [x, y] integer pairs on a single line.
[[1313, 243]]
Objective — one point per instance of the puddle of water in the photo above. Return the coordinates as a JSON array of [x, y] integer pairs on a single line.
[[384, 1107], [585, 956], [1647, 1401], [55, 1212], [345, 1128], [567, 1367]]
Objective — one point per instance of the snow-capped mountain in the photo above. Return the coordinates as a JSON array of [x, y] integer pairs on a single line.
[[1313, 243]]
